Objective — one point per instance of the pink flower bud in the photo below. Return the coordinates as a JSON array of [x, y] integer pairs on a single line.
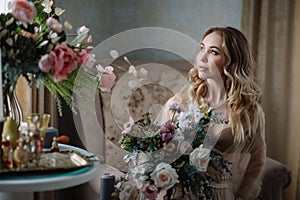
[[47, 62], [107, 79], [54, 25]]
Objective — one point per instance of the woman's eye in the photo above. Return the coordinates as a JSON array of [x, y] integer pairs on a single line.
[[213, 52], [202, 49]]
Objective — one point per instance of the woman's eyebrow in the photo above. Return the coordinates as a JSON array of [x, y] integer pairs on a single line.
[[215, 47], [202, 44]]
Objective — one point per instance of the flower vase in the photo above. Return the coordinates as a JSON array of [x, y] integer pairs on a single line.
[[11, 103]]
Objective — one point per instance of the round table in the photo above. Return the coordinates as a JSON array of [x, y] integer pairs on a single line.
[[23, 187]]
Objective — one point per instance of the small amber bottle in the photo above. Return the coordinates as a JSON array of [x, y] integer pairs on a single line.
[[54, 147]]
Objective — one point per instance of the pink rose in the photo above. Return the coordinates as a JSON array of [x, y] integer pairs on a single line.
[[54, 25], [149, 191], [164, 176], [47, 62], [24, 11], [65, 62], [200, 158], [107, 79]]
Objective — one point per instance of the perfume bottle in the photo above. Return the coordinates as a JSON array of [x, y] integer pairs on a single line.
[[20, 156], [7, 153], [10, 158], [5, 143]]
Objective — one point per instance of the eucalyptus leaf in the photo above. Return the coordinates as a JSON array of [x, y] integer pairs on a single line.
[[80, 38]]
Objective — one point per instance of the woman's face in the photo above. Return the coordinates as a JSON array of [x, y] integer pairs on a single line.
[[210, 58]]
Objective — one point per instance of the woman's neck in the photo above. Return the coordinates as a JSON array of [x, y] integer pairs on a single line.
[[216, 93]]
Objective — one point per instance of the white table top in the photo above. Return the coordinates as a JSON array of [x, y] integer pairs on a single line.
[[57, 181]]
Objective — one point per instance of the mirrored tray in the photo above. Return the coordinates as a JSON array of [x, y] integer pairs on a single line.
[[53, 162]]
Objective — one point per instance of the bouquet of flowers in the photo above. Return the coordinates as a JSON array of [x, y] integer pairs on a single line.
[[163, 157], [34, 45]]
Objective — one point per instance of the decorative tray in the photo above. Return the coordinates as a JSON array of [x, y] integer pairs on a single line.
[[52, 162]]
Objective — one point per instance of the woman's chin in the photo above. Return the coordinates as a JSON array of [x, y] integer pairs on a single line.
[[202, 75]]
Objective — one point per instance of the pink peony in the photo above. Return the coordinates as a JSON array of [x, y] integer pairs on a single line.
[[24, 11], [149, 191], [65, 62], [47, 62], [107, 79], [84, 57]]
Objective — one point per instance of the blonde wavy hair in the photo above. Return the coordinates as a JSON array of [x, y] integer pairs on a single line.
[[242, 92]]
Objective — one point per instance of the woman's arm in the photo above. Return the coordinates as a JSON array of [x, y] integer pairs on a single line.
[[250, 186]]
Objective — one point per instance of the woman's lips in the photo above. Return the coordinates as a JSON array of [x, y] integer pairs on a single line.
[[201, 68]]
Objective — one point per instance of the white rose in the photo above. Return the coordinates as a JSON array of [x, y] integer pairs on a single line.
[[200, 158], [164, 176]]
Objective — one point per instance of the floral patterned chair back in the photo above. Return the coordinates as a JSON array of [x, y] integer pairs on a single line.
[[162, 81]]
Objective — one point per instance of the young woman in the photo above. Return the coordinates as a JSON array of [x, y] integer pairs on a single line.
[[223, 78]]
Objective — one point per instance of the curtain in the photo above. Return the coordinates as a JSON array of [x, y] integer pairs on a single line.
[[270, 26], [293, 142]]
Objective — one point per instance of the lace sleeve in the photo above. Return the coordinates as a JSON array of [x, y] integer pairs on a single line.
[[250, 186]]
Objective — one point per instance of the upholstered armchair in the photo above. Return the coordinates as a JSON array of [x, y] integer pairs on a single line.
[[276, 177]]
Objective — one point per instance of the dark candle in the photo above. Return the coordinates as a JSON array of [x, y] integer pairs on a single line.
[[107, 185]]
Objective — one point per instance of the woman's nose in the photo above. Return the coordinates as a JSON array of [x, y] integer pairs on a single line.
[[203, 57]]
